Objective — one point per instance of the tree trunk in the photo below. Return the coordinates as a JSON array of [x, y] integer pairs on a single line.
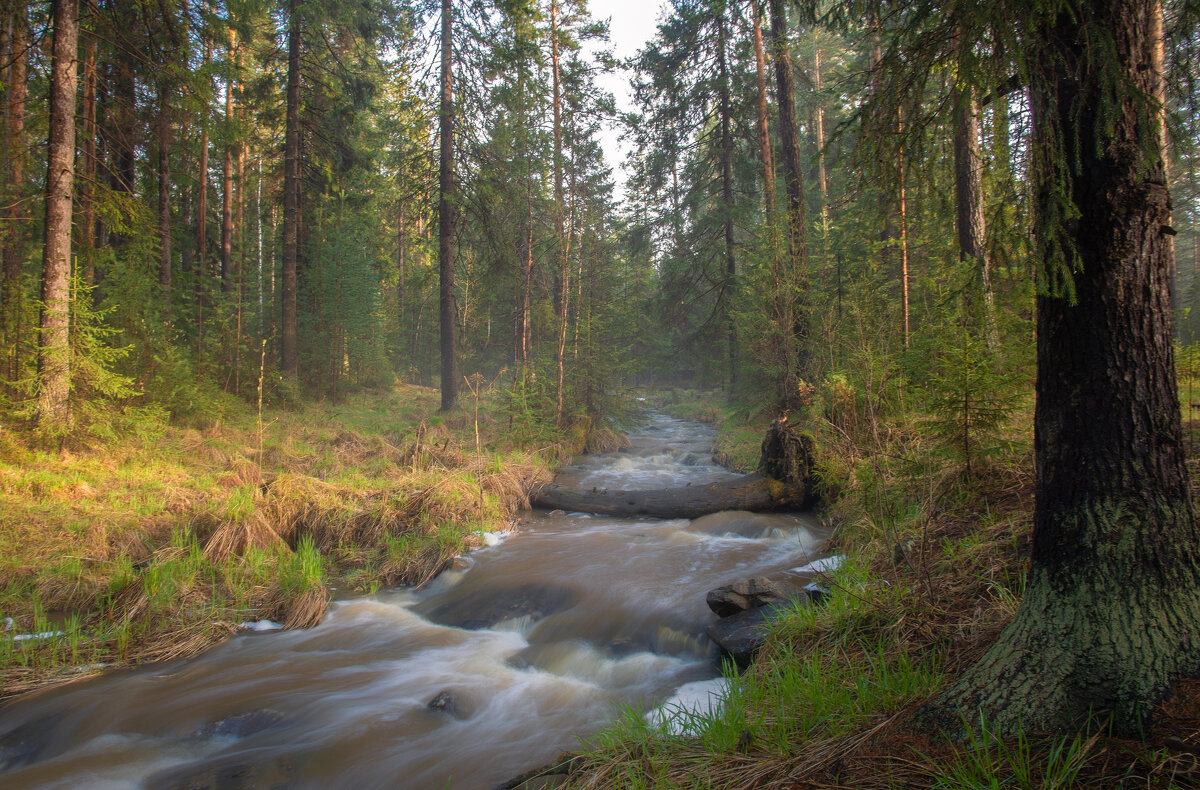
[[227, 281], [124, 123], [402, 234], [54, 343], [888, 234], [446, 219], [819, 136], [725, 110], [1111, 615], [164, 189], [202, 206], [764, 129], [796, 275], [903, 205], [289, 359], [969, 216], [563, 237], [751, 492], [87, 188], [14, 217]]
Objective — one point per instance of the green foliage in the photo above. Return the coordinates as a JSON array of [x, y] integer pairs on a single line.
[[301, 570], [1027, 762], [970, 393]]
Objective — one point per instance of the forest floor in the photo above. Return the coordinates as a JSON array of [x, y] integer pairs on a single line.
[[934, 569], [161, 541]]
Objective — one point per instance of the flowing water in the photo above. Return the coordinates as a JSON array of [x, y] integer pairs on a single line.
[[527, 646]]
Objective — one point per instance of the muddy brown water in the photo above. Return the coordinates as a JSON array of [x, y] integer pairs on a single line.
[[530, 647]]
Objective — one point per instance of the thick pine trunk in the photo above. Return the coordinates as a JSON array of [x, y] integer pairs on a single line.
[[725, 110], [54, 347], [764, 128], [969, 217], [1111, 616], [795, 278], [819, 136], [14, 219], [164, 188], [289, 359], [446, 218], [202, 206], [227, 281], [86, 191], [563, 279]]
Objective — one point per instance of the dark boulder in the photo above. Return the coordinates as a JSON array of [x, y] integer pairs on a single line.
[[740, 636], [746, 595]]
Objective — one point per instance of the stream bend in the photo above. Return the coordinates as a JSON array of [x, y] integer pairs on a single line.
[[495, 667]]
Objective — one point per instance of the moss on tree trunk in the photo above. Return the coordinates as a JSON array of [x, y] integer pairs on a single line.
[[1111, 615]]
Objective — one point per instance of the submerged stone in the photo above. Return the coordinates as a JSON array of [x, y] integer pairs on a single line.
[[242, 725], [25, 743], [446, 701], [232, 773], [486, 608]]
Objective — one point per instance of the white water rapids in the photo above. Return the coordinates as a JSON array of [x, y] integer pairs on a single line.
[[532, 645]]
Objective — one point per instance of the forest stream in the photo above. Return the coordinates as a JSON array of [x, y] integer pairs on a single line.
[[502, 662]]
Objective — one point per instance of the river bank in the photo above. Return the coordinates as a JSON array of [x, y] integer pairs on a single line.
[[935, 568], [507, 658], [161, 541]]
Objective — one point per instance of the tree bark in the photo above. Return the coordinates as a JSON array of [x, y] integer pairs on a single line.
[[725, 110], [968, 198], [750, 492], [563, 237], [227, 280], [446, 215], [14, 215], [87, 189], [54, 344], [202, 204], [1111, 616], [289, 359], [164, 188], [819, 136], [764, 128], [796, 275]]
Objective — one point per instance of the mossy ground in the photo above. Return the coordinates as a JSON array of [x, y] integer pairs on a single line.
[[156, 543], [937, 568]]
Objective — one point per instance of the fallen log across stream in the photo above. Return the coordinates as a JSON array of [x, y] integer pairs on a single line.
[[787, 484], [751, 492]]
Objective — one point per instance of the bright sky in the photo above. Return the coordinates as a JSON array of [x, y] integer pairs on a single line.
[[632, 24]]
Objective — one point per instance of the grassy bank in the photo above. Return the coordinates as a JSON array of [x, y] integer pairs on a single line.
[[159, 541], [936, 563]]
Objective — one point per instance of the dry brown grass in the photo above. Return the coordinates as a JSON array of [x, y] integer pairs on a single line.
[[605, 440], [383, 488]]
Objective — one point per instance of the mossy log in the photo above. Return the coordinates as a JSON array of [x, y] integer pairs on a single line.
[[787, 484], [751, 492]]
